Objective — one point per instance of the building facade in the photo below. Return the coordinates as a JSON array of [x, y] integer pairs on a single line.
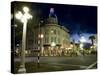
[[50, 38]]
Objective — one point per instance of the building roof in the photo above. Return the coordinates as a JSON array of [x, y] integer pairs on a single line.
[[56, 25], [52, 20]]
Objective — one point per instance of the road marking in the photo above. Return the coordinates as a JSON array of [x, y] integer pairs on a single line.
[[81, 66], [90, 66]]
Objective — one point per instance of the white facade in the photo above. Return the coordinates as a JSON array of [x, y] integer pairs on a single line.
[[50, 38]]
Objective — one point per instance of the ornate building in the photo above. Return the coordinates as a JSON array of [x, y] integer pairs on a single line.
[[49, 37]]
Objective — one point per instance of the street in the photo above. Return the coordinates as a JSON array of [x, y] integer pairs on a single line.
[[61, 63]]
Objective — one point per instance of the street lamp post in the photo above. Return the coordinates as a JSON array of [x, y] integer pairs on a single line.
[[40, 36], [24, 19], [40, 42]]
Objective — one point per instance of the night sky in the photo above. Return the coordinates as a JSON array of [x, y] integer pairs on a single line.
[[80, 20]]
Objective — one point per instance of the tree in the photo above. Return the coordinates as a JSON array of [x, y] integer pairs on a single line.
[[92, 38]]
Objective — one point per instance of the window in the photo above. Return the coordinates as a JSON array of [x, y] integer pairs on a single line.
[[55, 39], [46, 39], [46, 31], [54, 31], [58, 32], [51, 39], [58, 40]]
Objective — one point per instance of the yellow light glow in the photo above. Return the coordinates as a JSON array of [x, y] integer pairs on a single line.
[[25, 17], [62, 46], [18, 15], [91, 46], [81, 46], [16, 50], [42, 35], [82, 39], [53, 44], [26, 9], [26, 52], [16, 25], [69, 48], [52, 31]]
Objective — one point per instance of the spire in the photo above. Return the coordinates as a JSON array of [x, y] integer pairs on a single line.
[[52, 14], [52, 10], [52, 17]]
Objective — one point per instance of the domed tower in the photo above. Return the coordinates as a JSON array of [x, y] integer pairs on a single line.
[[55, 37], [52, 17]]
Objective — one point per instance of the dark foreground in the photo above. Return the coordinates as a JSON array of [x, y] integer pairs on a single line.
[[48, 64]]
